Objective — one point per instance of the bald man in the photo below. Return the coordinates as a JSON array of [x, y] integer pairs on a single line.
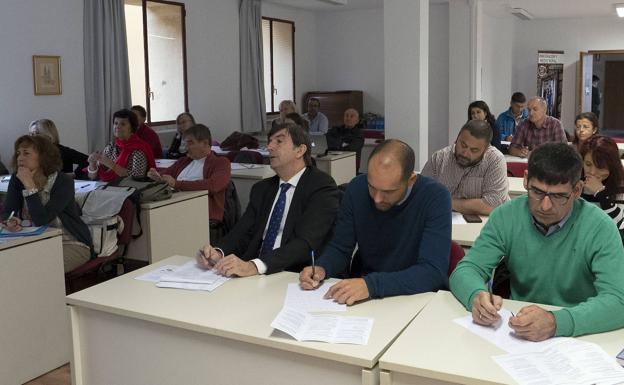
[[401, 224], [349, 136], [538, 129]]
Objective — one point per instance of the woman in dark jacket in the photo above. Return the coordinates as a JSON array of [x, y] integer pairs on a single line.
[[74, 162], [177, 148], [39, 194]]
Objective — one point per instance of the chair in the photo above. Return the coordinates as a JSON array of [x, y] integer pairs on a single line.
[[457, 253], [245, 156], [231, 215], [98, 264], [516, 169], [231, 155]]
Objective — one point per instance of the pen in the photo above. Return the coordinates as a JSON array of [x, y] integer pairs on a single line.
[[313, 263], [11, 216]]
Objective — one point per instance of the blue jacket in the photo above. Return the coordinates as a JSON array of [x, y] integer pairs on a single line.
[[507, 124]]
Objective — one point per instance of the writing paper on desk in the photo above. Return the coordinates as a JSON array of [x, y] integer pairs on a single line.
[[566, 362], [503, 336], [329, 328], [190, 272], [193, 286], [311, 300], [457, 219], [157, 274], [24, 232]]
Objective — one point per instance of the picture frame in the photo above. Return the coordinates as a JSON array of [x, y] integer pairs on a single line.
[[47, 75]]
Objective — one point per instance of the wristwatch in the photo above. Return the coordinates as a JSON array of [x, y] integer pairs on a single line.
[[29, 192]]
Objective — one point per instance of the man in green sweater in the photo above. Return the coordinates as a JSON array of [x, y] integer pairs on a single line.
[[560, 250]]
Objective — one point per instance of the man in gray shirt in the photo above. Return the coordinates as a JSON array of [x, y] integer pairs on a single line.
[[474, 172], [318, 121]]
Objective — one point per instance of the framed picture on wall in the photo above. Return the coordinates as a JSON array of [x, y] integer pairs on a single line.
[[47, 75]]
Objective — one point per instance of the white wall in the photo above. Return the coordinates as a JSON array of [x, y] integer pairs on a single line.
[[569, 35], [496, 75], [350, 54], [32, 27], [305, 46], [438, 76], [459, 65], [213, 64]]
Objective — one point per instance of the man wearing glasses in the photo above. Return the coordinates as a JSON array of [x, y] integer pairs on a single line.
[[560, 250]]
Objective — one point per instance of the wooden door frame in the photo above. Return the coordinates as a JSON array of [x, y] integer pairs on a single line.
[[579, 80]]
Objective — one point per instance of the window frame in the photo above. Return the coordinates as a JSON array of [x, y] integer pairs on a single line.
[[146, 59], [294, 78]]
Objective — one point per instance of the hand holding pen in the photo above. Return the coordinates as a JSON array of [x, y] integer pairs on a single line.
[[13, 223], [208, 256], [311, 277], [485, 305]]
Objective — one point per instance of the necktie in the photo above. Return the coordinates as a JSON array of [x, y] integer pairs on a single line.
[[274, 221]]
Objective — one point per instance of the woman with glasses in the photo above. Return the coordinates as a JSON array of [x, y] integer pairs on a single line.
[[586, 126], [604, 177]]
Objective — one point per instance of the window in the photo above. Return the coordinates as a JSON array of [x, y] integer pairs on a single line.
[[157, 58], [278, 47]]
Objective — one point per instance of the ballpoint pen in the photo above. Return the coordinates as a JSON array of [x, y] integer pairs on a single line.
[[313, 263]]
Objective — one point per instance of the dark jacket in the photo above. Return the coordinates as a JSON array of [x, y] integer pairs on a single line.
[[62, 204], [308, 224], [72, 157], [174, 148], [342, 138]]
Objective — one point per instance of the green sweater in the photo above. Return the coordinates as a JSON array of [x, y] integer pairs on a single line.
[[580, 267]]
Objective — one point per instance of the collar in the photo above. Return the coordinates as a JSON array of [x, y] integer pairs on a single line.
[[295, 179], [407, 194], [550, 230]]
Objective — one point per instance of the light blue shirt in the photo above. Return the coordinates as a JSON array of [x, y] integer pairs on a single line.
[[319, 124]]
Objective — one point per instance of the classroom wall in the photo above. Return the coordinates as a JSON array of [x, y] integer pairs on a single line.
[[438, 76], [350, 54], [32, 27], [569, 35], [305, 45]]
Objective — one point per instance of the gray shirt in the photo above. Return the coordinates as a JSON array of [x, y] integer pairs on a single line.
[[486, 180], [319, 124]]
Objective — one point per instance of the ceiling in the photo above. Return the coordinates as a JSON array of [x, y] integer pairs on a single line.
[[540, 9]]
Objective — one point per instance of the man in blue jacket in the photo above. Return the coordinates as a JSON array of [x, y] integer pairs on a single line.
[[401, 224], [508, 120]]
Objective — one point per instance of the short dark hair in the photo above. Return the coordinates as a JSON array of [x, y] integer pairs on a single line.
[[140, 109], [299, 120], [555, 163], [185, 114], [404, 153], [480, 129], [518, 97], [199, 132], [50, 159], [595, 78], [317, 100], [127, 114], [298, 135]]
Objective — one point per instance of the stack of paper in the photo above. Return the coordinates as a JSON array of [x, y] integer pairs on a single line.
[[457, 218], [334, 329], [295, 318], [188, 276]]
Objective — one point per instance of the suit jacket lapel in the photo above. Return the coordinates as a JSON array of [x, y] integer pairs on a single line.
[[295, 205]]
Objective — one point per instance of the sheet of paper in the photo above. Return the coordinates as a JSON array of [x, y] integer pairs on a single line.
[[81, 186], [503, 336], [457, 219], [164, 163], [156, 274], [568, 361], [311, 300], [243, 166], [329, 328], [193, 286], [190, 272], [24, 232]]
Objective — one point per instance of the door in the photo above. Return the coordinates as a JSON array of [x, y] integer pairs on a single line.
[[614, 95], [585, 82]]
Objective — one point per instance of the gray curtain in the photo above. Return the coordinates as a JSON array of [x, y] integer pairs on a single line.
[[106, 74], [251, 69]]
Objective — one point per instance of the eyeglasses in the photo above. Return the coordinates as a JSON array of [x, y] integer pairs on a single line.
[[556, 198]]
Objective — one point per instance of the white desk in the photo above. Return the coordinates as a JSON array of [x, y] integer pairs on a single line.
[[435, 350], [245, 177], [621, 148], [466, 234], [130, 332], [516, 187], [179, 225], [339, 164], [35, 334], [80, 186]]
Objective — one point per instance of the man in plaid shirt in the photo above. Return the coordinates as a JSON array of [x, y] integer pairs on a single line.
[[537, 129]]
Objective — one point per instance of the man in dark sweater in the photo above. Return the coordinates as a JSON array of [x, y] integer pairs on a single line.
[[401, 223]]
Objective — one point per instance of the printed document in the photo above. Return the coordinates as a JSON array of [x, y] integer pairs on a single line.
[[157, 274], [190, 272], [311, 300], [329, 328]]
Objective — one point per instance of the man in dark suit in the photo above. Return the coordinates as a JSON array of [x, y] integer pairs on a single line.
[[349, 136], [288, 216]]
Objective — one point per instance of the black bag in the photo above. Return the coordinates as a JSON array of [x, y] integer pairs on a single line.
[[238, 140]]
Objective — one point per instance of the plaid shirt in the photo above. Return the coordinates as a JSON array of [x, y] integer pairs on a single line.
[[527, 135]]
